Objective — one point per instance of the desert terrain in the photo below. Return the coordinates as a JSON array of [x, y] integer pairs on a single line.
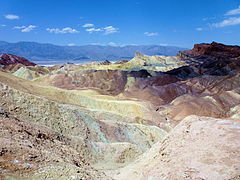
[[148, 118]]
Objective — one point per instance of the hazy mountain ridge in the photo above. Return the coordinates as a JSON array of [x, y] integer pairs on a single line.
[[38, 51]]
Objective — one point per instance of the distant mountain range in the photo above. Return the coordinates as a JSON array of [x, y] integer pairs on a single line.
[[39, 52]]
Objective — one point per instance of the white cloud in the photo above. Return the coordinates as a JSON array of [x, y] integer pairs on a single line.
[[71, 44], [227, 22], [25, 28], [113, 44], [199, 29], [29, 28], [11, 16], [233, 12], [3, 25], [151, 34], [91, 30], [97, 44], [107, 30], [19, 27], [62, 31], [110, 30], [163, 44], [88, 25]]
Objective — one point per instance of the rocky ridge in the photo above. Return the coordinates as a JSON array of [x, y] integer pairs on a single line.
[[8, 59]]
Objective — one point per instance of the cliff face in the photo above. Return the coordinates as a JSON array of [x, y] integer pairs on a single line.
[[215, 51]]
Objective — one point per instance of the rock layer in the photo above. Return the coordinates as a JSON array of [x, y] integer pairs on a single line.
[[31, 150]]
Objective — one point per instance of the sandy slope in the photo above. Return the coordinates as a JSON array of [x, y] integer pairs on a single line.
[[197, 148]]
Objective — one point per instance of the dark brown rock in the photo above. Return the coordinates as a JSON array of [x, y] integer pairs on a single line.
[[215, 51], [7, 59]]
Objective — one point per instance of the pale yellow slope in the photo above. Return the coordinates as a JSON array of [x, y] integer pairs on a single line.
[[86, 98]]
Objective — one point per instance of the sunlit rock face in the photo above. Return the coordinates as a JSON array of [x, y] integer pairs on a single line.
[[152, 117], [36, 151], [215, 51], [107, 81], [197, 148], [8, 59], [31, 72]]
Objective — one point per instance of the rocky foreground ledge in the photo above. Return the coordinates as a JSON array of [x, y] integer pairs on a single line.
[[153, 117]]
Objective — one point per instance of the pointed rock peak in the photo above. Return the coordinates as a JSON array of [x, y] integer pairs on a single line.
[[139, 54]]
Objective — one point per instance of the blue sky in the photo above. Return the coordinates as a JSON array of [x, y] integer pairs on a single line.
[[120, 22]]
